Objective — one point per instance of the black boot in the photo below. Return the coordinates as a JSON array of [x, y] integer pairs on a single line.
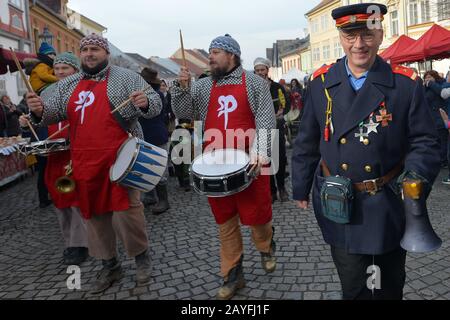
[[232, 282], [284, 196], [274, 197], [75, 255], [163, 201], [149, 198]]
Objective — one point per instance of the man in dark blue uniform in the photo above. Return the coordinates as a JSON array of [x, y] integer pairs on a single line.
[[367, 122]]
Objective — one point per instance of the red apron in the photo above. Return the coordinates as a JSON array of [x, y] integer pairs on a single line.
[[95, 137], [55, 169], [229, 109]]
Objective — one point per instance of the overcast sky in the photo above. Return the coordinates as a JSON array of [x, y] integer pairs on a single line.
[[150, 27]]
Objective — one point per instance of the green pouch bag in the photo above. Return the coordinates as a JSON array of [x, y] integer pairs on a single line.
[[336, 197]]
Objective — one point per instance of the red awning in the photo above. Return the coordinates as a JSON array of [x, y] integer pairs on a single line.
[[7, 61], [432, 45], [397, 48]]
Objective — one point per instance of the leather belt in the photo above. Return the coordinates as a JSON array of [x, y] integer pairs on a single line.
[[371, 186]]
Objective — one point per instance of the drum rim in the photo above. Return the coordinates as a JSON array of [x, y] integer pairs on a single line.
[[221, 175], [221, 194], [47, 141], [43, 153], [132, 162]]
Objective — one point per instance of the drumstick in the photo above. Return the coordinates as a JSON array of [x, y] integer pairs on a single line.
[[252, 168], [22, 74], [27, 84], [32, 130], [57, 132], [182, 50], [123, 104]]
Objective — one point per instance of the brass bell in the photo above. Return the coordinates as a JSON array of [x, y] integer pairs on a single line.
[[66, 184]]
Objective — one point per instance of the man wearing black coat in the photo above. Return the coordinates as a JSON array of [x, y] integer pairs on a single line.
[[368, 122], [156, 133]]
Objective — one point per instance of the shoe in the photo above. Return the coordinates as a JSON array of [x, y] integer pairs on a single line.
[[284, 197], [143, 270], [172, 172], [232, 282], [107, 276], [76, 255], [149, 199], [446, 181], [268, 261], [274, 197], [163, 201], [67, 253]]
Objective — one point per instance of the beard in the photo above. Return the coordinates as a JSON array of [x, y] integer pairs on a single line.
[[218, 73], [94, 70]]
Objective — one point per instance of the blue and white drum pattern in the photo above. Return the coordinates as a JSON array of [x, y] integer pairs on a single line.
[[139, 165]]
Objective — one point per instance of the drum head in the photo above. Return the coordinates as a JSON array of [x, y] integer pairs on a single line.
[[220, 162], [124, 158]]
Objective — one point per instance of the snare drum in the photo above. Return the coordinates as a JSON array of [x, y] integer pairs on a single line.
[[45, 147], [139, 165], [221, 172]]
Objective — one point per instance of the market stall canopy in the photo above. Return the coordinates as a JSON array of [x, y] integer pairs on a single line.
[[294, 74], [432, 45], [397, 48], [7, 61]]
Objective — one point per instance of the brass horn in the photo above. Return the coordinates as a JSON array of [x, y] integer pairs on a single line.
[[419, 235], [66, 184]]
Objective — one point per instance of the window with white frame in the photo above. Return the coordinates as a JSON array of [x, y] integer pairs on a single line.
[[324, 22], [425, 11], [16, 22], [443, 8], [413, 12], [315, 25], [338, 51], [394, 23], [326, 51], [316, 54]]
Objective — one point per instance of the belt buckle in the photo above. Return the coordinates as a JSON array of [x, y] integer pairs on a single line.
[[371, 183]]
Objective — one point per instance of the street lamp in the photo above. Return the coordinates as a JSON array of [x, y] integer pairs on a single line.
[[46, 36]]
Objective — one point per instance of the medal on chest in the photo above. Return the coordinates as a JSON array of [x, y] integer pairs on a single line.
[[371, 125], [384, 116]]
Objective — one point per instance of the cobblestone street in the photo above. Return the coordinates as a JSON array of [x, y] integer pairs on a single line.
[[184, 253]]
